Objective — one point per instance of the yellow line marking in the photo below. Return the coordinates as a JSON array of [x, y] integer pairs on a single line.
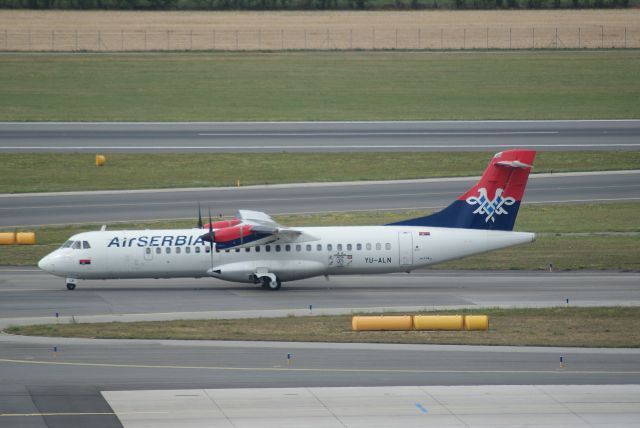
[[299, 369]]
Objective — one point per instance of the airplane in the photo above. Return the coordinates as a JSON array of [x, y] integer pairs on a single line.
[[253, 248]]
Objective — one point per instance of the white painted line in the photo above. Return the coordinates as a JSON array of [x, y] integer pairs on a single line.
[[364, 134]]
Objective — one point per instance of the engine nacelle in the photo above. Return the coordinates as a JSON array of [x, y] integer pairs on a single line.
[[223, 224]]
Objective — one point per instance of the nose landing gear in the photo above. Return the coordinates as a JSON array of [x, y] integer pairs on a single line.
[[71, 283]]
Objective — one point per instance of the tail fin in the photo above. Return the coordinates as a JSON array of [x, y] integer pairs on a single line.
[[493, 202]]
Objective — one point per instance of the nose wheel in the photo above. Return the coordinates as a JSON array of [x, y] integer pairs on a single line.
[[71, 284]]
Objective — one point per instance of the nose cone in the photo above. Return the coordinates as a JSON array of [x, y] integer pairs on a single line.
[[46, 263]]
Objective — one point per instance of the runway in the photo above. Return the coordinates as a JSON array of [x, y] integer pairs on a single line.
[[320, 136], [58, 382], [95, 207]]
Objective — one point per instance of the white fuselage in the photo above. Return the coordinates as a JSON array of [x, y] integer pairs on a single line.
[[318, 251]]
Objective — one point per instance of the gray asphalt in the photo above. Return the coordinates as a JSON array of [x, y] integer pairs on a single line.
[[62, 388], [32, 293], [95, 207], [320, 136]]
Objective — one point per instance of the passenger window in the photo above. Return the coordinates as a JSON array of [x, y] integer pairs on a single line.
[[358, 247], [187, 250], [197, 249], [168, 250], [378, 246], [369, 246], [147, 250], [298, 247], [339, 247], [349, 247], [158, 250], [267, 248], [258, 249], [237, 250], [387, 246], [319, 247], [207, 249], [85, 245], [226, 251], [278, 248], [287, 247], [308, 247], [77, 245], [67, 244], [248, 249], [177, 250], [329, 247]]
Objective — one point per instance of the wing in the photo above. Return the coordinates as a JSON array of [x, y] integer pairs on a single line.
[[257, 228]]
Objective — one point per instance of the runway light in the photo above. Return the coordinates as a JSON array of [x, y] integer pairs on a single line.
[[561, 362], [310, 308], [55, 351], [289, 359], [567, 301]]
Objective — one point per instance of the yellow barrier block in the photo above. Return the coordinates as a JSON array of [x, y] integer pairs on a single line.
[[26, 238], [382, 323], [476, 322], [100, 160], [438, 322], [7, 238]]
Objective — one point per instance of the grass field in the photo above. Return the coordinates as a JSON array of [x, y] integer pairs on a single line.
[[584, 327], [570, 237], [320, 86], [42, 172]]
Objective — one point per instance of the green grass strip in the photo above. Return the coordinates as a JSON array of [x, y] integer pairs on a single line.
[[43, 172], [320, 86], [584, 236], [583, 327]]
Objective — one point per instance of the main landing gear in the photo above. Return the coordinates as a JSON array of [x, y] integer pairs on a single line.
[[71, 283], [270, 283]]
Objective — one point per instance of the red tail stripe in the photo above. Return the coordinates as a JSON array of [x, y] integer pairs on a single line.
[[512, 179]]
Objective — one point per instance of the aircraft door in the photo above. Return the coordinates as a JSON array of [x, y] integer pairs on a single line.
[[405, 240]]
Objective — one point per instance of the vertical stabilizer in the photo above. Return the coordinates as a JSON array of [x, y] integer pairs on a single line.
[[493, 202]]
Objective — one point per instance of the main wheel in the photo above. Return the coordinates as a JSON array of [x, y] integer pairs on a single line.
[[71, 286], [271, 284]]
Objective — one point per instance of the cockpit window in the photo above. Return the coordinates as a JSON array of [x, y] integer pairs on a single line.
[[85, 245], [77, 245], [67, 244]]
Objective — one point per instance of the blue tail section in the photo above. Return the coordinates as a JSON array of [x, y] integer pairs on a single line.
[[492, 203]]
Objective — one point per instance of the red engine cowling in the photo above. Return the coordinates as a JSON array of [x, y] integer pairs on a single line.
[[232, 233], [223, 224]]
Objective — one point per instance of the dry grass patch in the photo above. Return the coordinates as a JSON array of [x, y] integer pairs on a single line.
[[579, 327], [136, 20], [325, 30]]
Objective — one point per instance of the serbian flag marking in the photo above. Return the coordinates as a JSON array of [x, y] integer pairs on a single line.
[[85, 261]]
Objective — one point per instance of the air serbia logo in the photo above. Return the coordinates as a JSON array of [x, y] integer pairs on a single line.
[[490, 208]]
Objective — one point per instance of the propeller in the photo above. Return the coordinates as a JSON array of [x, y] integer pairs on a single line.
[[211, 235], [199, 216]]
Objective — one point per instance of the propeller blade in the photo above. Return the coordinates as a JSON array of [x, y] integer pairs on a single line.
[[210, 231], [199, 216]]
